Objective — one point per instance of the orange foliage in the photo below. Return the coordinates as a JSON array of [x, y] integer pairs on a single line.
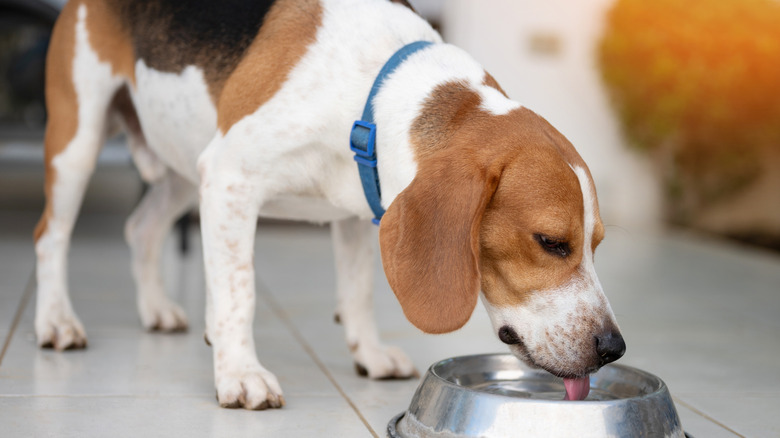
[[697, 80]]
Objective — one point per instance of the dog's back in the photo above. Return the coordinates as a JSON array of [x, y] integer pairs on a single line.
[[172, 34]]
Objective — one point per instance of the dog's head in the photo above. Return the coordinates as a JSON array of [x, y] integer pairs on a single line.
[[503, 206]]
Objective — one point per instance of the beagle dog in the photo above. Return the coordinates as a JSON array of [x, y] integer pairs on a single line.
[[246, 107]]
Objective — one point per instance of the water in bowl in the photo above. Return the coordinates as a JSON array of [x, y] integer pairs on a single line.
[[536, 389]]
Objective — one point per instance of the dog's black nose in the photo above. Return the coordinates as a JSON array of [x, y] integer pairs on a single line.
[[508, 335], [610, 346]]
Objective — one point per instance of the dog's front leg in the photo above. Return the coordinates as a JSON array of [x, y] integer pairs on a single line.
[[229, 207], [354, 269]]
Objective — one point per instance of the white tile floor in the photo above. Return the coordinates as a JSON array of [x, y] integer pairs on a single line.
[[702, 315]]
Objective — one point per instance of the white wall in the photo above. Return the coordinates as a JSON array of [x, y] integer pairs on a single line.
[[561, 85]]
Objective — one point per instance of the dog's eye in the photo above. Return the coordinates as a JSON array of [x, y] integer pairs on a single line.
[[554, 246]]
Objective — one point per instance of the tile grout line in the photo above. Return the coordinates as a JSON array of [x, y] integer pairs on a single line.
[[279, 311], [18, 315], [707, 417]]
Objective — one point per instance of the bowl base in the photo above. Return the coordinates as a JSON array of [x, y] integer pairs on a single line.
[[392, 427]]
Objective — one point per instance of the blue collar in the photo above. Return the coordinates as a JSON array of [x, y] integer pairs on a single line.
[[362, 139]]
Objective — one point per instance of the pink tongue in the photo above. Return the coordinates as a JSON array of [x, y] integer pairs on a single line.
[[577, 389]]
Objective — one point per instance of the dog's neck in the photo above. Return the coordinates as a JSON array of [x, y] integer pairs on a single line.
[[422, 103]]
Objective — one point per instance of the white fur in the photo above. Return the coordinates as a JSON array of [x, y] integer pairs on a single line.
[[495, 102], [176, 114], [589, 212], [589, 206], [551, 322]]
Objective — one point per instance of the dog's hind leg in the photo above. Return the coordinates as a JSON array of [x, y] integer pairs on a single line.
[[354, 282], [145, 231], [79, 89], [168, 197]]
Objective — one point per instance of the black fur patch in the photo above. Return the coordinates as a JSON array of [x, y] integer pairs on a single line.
[[212, 34]]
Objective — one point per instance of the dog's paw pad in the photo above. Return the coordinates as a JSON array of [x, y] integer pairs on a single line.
[[65, 334], [164, 316], [380, 362], [255, 390], [361, 370]]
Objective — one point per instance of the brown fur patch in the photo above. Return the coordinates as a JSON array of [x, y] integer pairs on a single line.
[[403, 2], [112, 45], [450, 107], [110, 39], [289, 28], [538, 194], [123, 104], [61, 101], [485, 186]]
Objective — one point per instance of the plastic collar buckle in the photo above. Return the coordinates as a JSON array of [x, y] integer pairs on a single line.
[[362, 141]]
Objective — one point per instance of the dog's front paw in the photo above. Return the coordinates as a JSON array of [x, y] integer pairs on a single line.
[[61, 331], [381, 362], [162, 314], [251, 387]]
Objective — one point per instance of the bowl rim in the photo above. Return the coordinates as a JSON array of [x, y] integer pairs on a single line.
[[659, 390]]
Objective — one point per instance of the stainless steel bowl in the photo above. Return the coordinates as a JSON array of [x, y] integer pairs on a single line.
[[496, 395]]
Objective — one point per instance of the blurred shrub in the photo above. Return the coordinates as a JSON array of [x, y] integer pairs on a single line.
[[697, 84]]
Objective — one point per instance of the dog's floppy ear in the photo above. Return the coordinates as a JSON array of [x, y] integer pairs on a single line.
[[429, 240]]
